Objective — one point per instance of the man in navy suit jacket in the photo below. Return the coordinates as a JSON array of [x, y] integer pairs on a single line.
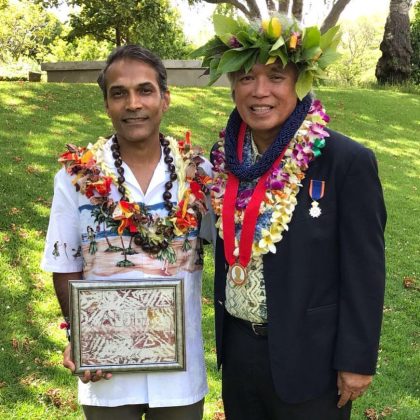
[[299, 278]]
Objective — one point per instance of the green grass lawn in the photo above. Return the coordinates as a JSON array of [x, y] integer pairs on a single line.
[[36, 120]]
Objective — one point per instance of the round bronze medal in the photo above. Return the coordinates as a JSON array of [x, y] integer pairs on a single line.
[[237, 274]]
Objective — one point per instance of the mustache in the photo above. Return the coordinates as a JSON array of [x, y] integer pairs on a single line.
[[134, 115]]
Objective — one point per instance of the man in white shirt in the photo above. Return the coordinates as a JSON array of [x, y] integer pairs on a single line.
[[131, 195]]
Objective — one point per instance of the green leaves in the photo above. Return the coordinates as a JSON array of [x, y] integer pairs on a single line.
[[311, 38], [277, 44], [311, 53], [225, 25], [233, 60], [332, 35], [327, 58], [239, 45], [304, 83], [281, 54], [214, 75]]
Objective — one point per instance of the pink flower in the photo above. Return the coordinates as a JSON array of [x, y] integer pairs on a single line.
[[316, 107], [277, 179], [243, 198], [317, 130], [301, 154], [234, 43]]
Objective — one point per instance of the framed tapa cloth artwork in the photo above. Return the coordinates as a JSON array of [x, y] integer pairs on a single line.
[[127, 325]]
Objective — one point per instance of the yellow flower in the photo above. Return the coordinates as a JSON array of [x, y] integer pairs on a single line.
[[272, 27], [269, 238], [257, 251], [86, 157], [293, 41]]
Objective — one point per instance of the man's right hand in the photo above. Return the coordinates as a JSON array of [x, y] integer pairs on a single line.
[[87, 376]]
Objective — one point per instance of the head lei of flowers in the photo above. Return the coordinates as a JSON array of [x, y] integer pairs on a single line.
[[238, 45]]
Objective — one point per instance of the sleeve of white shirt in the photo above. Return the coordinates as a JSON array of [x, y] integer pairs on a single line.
[[62, 253], [208, 222]]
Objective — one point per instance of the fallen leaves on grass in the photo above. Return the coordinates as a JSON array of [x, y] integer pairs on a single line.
[[38, 281], [53, 396], [387, 411], [23, 233], [2, 384], [15, 344], [17, 159], [14, 211], [33, 170], [30, 380], [410, 283], [43, 201], [371, 414], [219, 414], [25, 344], [45, 363]]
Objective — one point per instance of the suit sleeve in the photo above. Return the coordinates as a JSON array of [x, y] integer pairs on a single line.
[[362, 221], [208, 222]]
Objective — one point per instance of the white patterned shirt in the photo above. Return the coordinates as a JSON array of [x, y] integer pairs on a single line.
[[72, 231]]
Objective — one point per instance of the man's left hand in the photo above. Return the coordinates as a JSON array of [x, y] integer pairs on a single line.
[[351, 386]]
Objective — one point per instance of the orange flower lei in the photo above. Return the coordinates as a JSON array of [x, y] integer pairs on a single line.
[[93, 179]]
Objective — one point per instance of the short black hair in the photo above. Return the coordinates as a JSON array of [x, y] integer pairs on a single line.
[[135, 52]]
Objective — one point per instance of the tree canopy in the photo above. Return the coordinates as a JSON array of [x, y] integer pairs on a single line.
[[26, 30], [151, 23]]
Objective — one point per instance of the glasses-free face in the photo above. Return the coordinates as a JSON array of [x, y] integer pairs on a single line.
[[134, 102], [265, 97]]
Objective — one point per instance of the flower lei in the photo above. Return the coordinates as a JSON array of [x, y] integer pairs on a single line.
[[93, 178], [282, 185]]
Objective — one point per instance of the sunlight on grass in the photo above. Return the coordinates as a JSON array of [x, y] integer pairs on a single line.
[[37, 121]]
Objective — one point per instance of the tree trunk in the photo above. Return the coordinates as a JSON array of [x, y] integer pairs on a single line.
[[254, 10], [271, 7], [297, 9], [395, 64], [117, 36], [333, 16], [284, 6]]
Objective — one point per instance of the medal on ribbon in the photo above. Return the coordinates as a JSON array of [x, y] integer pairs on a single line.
[[237, 274], [238, 266], [316, 192]]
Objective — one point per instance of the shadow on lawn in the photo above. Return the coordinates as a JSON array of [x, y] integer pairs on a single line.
[[36, 122], [38, 119]]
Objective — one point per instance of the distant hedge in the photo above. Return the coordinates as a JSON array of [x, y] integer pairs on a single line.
[[13, 78]]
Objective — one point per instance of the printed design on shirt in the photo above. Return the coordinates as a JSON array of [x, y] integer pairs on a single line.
[[63, 247], [249, 300], [106, 253], [94, 177]]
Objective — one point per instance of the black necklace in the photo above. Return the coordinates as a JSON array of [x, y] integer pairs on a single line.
[[167, 195]]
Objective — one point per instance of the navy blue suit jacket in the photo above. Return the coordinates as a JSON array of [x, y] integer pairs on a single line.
[[325, 284]]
